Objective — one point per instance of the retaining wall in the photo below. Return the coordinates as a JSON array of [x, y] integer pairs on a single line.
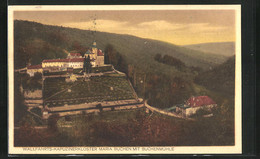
[[164, 112]]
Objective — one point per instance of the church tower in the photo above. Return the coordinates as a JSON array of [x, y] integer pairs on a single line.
[[94, 49]]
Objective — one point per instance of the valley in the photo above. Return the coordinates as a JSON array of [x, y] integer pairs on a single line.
[[165, 75]]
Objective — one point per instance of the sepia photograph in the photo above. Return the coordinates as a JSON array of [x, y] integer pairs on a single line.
[[139, 79]]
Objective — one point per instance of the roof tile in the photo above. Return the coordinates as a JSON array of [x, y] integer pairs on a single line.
[[34, 67], [199, 101], [64, 60]]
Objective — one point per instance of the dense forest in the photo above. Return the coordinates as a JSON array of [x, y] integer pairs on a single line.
[[220, 78], [165, 90]]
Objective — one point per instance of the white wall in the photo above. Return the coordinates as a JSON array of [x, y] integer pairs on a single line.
[[63, 64], [76, 64], [54, 64], [100, 60], [193, 110]]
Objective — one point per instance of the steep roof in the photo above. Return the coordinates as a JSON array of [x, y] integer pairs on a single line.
[[100, 53], [34, 67], [76, 60], [64, 60], [74, 54], [199, 101]]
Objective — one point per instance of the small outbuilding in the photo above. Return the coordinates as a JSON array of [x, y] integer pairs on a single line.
[[73, 55], [32, 69], [195, 104], [200, 101]]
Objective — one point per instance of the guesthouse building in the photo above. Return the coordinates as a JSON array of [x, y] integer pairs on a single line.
[[74, 55], [63, 63], [194, 104], [32, 69], [75, 60]]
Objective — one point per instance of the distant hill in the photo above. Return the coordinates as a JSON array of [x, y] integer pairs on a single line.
[[35, 41], [220, 48]]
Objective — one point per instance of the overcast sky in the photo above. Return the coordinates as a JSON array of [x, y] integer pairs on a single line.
[[179, 27]]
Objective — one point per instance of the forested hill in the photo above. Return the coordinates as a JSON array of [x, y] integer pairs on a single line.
[[35, 42], [221, 78]]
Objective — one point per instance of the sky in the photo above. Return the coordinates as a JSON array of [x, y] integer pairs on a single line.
[[180, 27]]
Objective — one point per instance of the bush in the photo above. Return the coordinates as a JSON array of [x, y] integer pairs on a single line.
[[99, 106], [67, 118], [169, 60], [37, 111], [52, 122]]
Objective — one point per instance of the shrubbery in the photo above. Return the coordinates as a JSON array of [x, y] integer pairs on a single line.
[[131, 128], [169, 60]]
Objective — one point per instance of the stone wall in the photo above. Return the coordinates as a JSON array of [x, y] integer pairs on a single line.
[[164, 112], [36, 94], [33, 98], [193, 110]]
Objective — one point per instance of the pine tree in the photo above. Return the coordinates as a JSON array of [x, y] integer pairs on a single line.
[[87, 65]]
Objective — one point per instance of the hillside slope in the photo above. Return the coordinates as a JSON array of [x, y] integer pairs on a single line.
[[220, 79], [221, 48], [34, 42]]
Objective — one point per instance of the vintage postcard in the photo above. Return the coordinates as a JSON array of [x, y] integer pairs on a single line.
[[124, 79]]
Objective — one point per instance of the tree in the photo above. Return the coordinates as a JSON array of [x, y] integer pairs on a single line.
[[108, 50], [76, 45], [169, 60], [87, 65], [52, 122], [158, 57], [99, 106], [20, 108], [58, 38], [115, 58], [21, 55]]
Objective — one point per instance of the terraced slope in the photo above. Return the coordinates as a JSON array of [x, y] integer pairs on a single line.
[[57, 92]]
